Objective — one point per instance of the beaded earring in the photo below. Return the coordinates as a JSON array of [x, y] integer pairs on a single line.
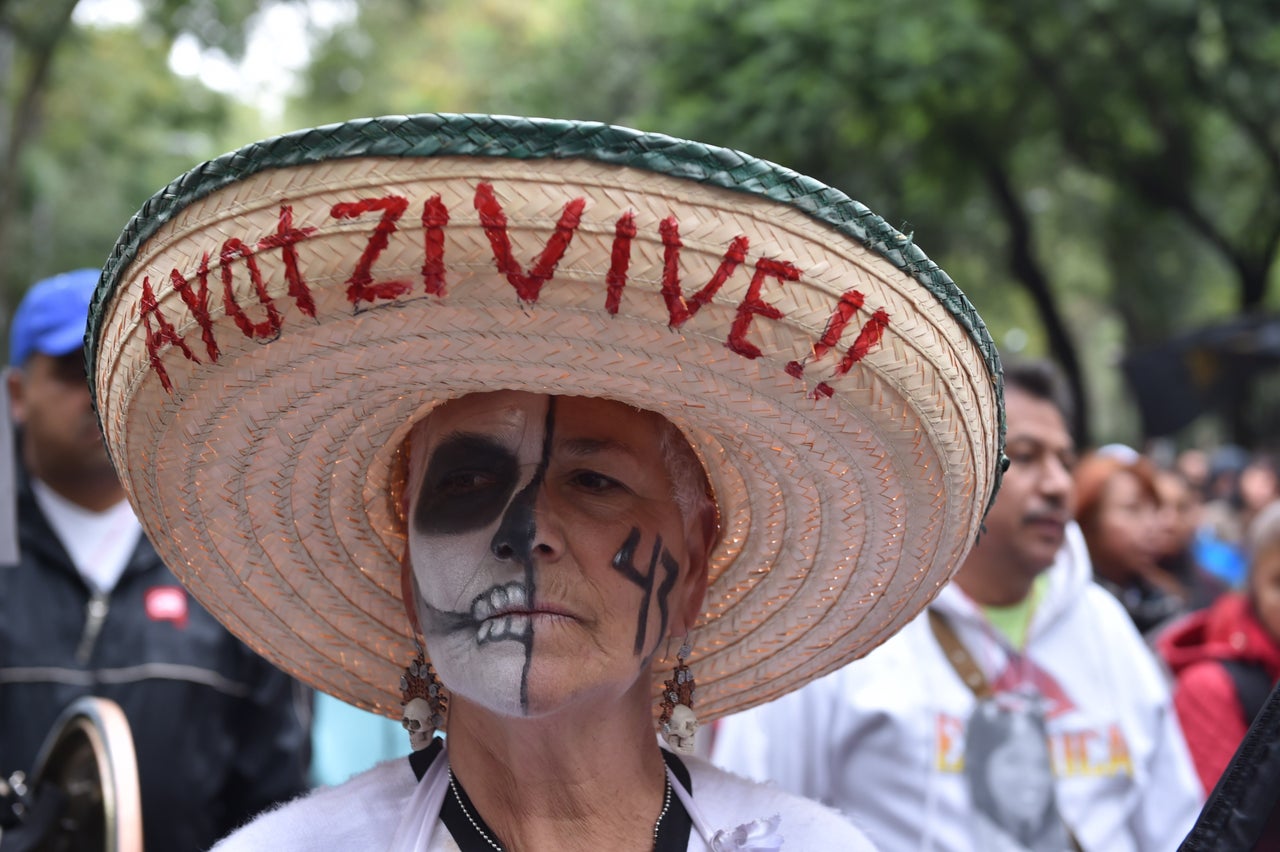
[[425, 703], [678, 722]]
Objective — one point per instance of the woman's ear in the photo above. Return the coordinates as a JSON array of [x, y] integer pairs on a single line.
[[408, 591]]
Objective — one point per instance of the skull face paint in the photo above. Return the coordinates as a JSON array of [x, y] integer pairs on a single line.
[[549, 555]]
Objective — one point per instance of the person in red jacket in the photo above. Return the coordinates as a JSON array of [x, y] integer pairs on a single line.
[[1226, 658]]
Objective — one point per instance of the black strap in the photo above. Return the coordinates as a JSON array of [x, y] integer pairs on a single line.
[[468, 828], [677, 825], [1252, 684], [421, 760]]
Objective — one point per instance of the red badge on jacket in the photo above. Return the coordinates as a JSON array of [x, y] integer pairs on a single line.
[[167, 603]]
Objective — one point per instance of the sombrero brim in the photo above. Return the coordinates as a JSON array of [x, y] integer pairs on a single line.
[[272, 323]]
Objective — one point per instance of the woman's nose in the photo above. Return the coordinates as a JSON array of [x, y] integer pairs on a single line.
[[527, 528]]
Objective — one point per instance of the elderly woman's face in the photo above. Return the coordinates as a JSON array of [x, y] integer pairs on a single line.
[[550, 557]]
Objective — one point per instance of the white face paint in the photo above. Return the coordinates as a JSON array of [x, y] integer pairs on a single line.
[[546, 547], [474, 603]]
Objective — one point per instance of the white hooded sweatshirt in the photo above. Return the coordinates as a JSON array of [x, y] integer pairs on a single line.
[[883, 738]]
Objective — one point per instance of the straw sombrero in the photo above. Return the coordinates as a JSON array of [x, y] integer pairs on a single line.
[[272, 323]]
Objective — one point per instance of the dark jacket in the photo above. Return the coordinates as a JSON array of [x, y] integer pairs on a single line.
[[220, 733]]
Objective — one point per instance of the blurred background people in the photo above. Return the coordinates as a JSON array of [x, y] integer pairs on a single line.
[[1021, 638], [1226, 659], [1192, 464], [1177, 521], [1118, 509], [91, 610], [1218, 541], [1240, 485]]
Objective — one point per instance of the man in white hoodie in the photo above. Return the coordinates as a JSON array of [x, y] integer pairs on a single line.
[[915, 741]]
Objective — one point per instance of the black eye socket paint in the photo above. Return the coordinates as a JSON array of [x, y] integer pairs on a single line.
[[624, 563], [469, 480]]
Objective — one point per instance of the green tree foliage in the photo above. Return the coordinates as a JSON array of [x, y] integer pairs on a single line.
[[93, 121], [910, 109], [109, 141], [410, 56], [1107, 167]]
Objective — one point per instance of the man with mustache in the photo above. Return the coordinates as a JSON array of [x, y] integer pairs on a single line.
[[1023, 631], [90, 610]]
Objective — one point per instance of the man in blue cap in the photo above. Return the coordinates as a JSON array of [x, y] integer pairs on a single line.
[[61, 445], [91, 610]]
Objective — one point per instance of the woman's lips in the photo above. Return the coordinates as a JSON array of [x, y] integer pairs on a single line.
[[503, 612], [498, 628]]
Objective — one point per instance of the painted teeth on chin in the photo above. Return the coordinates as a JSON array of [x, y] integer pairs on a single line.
[[512, 594], [515, 626]]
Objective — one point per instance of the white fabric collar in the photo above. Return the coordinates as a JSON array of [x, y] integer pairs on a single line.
[[99, 543]]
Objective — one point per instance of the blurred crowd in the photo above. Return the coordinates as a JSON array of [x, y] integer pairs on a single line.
[[1167, 539], [1191, 548]]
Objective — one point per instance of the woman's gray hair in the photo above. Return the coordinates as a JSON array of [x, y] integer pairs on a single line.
[[689, 484]]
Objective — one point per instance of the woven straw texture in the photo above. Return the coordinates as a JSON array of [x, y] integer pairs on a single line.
[[255, 378]]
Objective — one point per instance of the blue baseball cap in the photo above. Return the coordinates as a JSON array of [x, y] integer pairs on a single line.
[[52, 316]]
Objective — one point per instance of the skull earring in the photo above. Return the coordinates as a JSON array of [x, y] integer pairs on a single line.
[[425, 703], [678, 721]]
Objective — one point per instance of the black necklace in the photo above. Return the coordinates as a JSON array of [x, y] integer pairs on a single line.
[[670, 831]]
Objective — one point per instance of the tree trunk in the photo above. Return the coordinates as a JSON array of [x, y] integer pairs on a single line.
[[1027, 269], [22, 123]]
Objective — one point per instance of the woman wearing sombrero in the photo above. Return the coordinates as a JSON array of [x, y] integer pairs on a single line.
[[547, 435]]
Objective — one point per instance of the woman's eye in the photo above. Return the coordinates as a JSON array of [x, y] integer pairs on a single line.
[[595, 482], [465, 482]]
